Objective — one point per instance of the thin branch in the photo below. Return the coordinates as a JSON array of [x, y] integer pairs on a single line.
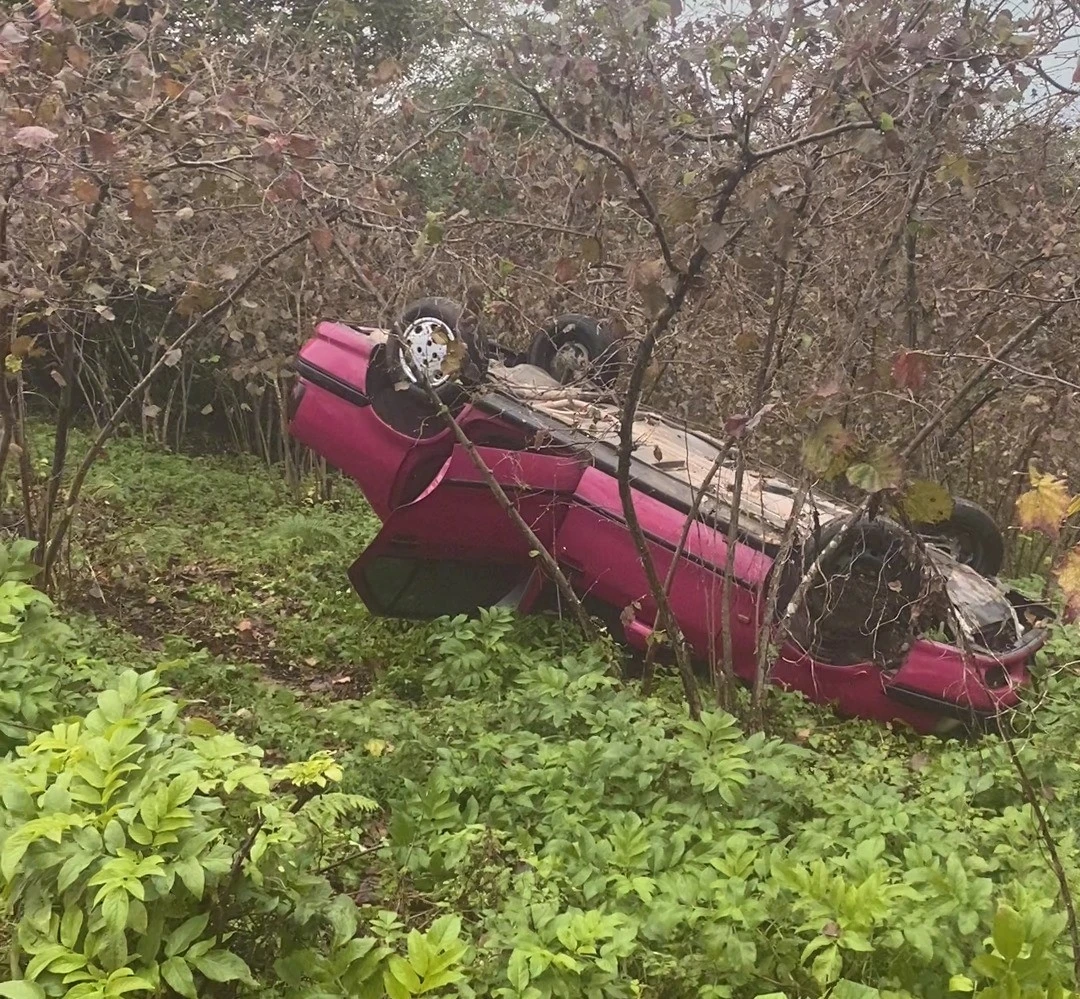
[[809, 140], [609, 154], [542, 555], [1051, 849], [1037, 66]]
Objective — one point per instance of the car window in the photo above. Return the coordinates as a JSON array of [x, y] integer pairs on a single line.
[[422, 588]]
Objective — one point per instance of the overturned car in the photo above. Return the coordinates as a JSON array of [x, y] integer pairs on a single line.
[[892, 628]]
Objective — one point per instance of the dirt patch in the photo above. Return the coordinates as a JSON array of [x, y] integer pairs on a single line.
[[250, 640]]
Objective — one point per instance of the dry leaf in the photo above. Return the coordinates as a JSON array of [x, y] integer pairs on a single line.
[[1045, 506], [33, 136]]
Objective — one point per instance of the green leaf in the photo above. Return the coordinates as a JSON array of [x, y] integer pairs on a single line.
[[186, 934], [847, 989], [73, 867], [70, 926], [21, 990], [885, 122], [342, 917], [15, 846], [925, 502], [961, 983], [182, 788], [881, 470], [191, 872], [178, 976], [111, 705], [1008, 933], [420, 954], [224, 966], [114, 909], [826, 451], [400, 974], [827, 965]]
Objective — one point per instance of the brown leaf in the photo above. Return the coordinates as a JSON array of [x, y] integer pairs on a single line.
[[322, 240], [1068, 579], [197, 297], [742, 424], [227, 272], [141, 192], [102, 145], [33, 136], [78, 57], [174, 89], [21, 346], [654, 298], [260, 124], [386, 72], [645, 272], [714, 238], [303, 145], [566, 269], [681, 208], [591, 250], [910, 369], [86, 190], [287, 188], [245, 625]]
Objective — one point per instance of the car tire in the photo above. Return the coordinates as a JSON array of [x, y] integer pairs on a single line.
[[879, 540], [576, 346], [411, 352], [864, 605], [973, 536]]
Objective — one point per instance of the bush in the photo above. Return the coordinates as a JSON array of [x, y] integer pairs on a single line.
[[144, 852], [549, 834]]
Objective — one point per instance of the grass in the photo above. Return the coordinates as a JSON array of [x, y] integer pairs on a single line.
[[501, 751]]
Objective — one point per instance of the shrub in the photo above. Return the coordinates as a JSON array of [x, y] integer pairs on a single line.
[[143, 852]]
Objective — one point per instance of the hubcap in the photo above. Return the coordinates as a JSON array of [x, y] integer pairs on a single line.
[[570, 362], [427, 342]]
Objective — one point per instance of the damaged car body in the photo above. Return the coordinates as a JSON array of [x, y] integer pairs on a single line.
[[894, 627]]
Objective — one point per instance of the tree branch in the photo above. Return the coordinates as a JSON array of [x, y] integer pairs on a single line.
[[609, 154]]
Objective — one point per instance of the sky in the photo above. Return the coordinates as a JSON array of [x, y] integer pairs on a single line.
[[1060, 65]]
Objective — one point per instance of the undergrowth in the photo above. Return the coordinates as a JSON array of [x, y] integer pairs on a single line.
[[538, 828]]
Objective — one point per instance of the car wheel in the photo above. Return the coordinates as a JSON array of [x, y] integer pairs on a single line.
[[971, 536], [863, 605], [431, 343], [577, 347]]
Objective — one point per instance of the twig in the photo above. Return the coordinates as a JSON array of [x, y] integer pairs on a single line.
[[1051, 849], [787, 544]]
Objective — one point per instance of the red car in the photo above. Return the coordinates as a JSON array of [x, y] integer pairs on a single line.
[[873, 638]]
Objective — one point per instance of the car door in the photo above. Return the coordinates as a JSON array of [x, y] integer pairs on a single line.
[[453, 549]]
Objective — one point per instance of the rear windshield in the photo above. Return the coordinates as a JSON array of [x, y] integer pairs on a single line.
[[424, 588]]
